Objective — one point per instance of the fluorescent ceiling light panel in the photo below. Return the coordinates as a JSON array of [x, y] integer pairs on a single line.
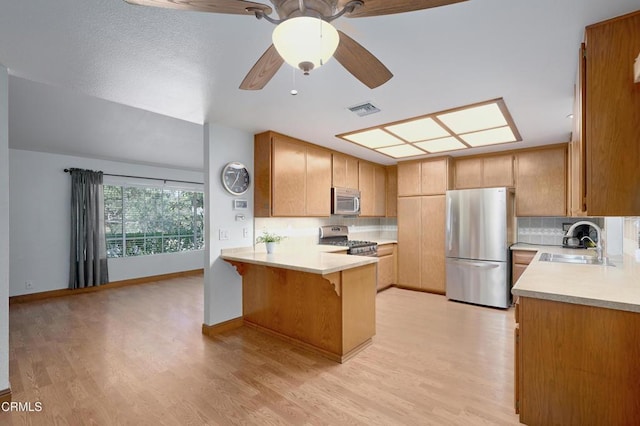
[[441, 145], [374, 138], [400, 151], [489, 137], [418, 130], [473, 119]]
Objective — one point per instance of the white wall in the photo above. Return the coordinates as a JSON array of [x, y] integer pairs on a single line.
[[40, 221], [4, 229], [222, 284]]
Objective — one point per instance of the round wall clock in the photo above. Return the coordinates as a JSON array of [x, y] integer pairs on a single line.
[[235, 178]]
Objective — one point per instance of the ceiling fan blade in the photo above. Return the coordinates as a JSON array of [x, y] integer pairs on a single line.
[[361, 63], [263, 70], [236, 7], [389, 7]]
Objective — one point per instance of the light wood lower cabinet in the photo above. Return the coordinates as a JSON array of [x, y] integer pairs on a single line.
[[421, 260], [520, 259], [387, 266], [577, 364]]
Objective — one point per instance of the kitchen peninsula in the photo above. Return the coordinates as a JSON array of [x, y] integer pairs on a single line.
[[317, 299]]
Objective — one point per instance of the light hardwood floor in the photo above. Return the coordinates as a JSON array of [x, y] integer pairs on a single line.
[[136, 355]]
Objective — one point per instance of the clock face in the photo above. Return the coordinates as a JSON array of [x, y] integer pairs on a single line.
[[235, 178]]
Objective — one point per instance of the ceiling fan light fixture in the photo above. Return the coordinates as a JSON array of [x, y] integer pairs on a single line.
[[305, 42]]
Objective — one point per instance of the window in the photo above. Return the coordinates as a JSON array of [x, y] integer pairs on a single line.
[[151, 220]]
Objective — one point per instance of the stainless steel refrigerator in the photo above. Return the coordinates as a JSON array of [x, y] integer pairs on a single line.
[[480, 226]]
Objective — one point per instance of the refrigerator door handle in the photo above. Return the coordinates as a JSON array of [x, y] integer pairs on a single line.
[[481, 265]]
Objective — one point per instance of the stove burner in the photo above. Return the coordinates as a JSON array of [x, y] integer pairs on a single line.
[[337, 236]]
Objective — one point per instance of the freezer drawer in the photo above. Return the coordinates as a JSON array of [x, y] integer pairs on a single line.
[[481, 282]]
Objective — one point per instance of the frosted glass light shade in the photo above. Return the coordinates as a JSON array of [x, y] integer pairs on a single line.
[[305, 42]]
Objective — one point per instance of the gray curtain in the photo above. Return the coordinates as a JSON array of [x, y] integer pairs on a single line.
[[88, 245]]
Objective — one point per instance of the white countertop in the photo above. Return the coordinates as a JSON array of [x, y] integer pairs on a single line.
[[315, 259], [613, 287]]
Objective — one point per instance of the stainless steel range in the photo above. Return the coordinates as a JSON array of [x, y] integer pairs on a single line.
[[338, 235]]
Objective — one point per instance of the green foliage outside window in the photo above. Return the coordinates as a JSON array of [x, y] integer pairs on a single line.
[[144, 220]]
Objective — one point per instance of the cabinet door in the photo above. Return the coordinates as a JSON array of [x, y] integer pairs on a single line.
[[468, 173], [408, 178], [339, 170], [435, 176], [366, 182], [541, 182], [318, 182], [380, 191], [409, 245], [497, 171], [432, 239], [288, 177], [392, 191], [386, 271], [352, 173], [612, 121]]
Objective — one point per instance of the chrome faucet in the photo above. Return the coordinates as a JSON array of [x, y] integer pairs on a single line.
[[599, 249]]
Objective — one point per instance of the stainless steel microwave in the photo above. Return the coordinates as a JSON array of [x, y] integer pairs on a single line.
[[345, 201]]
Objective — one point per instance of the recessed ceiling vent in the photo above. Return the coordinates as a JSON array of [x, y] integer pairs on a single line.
[[364, 109]]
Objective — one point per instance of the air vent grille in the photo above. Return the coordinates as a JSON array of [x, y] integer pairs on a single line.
[[366, 108]]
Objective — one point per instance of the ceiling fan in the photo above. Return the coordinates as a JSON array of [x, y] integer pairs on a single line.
[[304, 37]]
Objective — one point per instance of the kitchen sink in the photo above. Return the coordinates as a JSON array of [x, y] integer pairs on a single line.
[[581, 259]]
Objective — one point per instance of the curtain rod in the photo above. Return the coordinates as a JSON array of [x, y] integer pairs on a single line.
[[143, 177]]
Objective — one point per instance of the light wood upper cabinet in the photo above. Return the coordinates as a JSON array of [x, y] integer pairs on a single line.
[[392, 191], [344, 171], [484, 172], [372, 181], [288, 177], [292, 177], [610, 118], [318, 179], [432, 176], [408, 178], [541, 176]]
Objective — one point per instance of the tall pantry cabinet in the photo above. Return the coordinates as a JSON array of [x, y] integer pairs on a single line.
[[421, 219]]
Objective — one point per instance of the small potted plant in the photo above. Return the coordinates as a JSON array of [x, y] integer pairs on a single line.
[[269, 239]]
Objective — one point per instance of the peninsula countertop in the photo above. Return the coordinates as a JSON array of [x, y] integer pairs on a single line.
[[613, 287], [315, 259]]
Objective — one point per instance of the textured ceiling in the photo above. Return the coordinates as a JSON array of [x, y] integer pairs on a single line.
[[188, 66]]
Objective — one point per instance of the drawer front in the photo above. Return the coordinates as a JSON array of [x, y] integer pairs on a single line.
[[386, 249], [523, 257]]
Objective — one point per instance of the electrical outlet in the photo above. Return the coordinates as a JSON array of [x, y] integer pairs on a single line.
[[28, 284], [245, 232]]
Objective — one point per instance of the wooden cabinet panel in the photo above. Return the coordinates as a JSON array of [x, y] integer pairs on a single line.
[[291, 177], [432, 239], [409, 244], [436, 176], [468, 173], [612, 114], [387, 269], [516, 272], [372, 182], [366, 183], [541, 182], [318, 182], [408, 178], [380, 191], [392, 191], [497, 171], [344, 171], [288, 177], [578, 364], [484, 172], [520, 259]]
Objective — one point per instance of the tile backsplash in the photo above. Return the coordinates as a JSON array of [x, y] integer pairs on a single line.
[[305, 230], [548, 230]]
